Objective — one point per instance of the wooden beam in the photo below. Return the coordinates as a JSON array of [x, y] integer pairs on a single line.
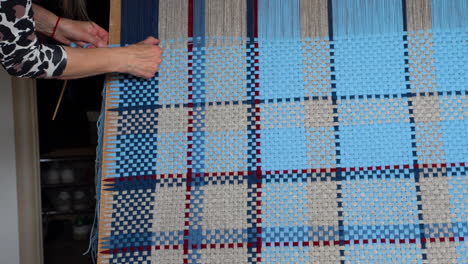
[[114, 23], [114, 39]]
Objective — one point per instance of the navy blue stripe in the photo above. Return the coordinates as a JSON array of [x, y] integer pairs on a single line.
[[405, 25], [206, 178], [139, 19], [252, 179], [295, 99], [250, 19], [330, 19]]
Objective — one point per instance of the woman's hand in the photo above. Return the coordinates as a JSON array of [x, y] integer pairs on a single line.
[[81, 33], [142, 59], [68, 31]]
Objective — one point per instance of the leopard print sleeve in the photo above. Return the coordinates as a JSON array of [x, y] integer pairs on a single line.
[[21, 54]]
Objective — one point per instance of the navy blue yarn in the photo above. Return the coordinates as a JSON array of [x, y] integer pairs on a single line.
[[139, 20]]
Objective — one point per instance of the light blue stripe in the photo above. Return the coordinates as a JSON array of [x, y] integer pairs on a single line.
[[449, 14], [366, 17], [279, 19]]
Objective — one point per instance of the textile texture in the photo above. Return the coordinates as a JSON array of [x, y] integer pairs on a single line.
[[289, 131]]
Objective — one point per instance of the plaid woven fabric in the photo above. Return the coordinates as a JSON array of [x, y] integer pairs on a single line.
[[291, 132]]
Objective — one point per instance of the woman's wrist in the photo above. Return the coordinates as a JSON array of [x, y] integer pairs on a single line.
[[112, 57], [119, 59], [45, 20]]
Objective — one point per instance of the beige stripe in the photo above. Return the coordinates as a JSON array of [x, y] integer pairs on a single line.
[[226, 18], [418, 13], [314, 18], [173, 19]]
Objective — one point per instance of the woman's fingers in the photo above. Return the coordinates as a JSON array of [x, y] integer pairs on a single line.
[[151, 41], [88, 32], [101, 34], [144, 58], [81, 43]]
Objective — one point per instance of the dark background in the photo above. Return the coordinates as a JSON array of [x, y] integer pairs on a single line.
[[70, 129], [59, 140]]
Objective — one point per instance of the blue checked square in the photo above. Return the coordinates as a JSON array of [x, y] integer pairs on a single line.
[[173, 76], [139, 92], [369, 232], [379, 202], [134, 257], [281, 73], [132, 216], [136, 154], [375, 145], [374, 132], [283, 136], [455, 140], [130, 240], [450, 53], [454, 128], [462, 252], [288, 234], [370, 65], [284, 148]]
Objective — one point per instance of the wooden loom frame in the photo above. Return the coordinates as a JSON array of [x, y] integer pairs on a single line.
[[105, 209]]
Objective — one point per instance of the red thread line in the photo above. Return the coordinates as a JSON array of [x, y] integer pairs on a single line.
[[55, 27], [277, 172], [287, 244]]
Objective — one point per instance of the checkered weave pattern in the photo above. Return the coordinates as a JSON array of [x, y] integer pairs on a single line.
[[287, 132]]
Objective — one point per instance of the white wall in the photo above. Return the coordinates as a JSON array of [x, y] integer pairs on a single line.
[[9, 241]]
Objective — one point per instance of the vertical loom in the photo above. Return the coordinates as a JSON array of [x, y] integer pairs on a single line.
[[288, 131]]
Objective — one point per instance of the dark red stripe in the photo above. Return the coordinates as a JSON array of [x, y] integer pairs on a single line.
[[190, 18]]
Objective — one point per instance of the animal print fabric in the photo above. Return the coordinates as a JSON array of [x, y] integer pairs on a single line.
[[21, 54]]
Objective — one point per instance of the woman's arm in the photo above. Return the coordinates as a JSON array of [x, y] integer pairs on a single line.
[[22, 55], [141, 60]]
